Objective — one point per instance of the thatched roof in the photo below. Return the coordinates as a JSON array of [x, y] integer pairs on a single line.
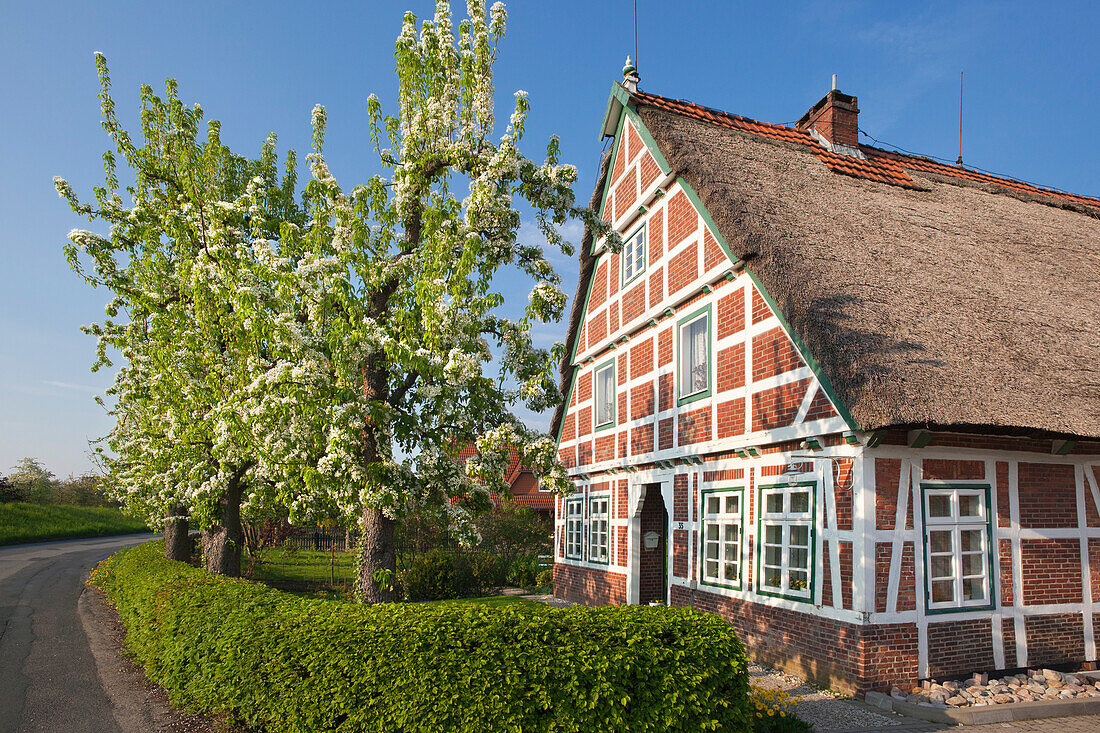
[[964, 301]]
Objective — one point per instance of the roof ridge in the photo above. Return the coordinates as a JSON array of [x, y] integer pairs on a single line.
[[872, 169]]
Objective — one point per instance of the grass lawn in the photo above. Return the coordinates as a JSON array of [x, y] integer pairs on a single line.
[[21, 522], [306, 572], [303, 566]]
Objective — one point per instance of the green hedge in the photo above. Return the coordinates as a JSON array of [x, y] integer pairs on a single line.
[[287, 663]]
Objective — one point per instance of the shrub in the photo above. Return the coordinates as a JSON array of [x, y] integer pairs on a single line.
[[545, 578], [295, 664], [437, 574]]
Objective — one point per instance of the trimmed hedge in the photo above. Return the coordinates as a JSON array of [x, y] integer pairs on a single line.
[[287, 663]]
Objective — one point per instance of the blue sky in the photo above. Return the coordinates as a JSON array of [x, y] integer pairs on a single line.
[[1030, 102]]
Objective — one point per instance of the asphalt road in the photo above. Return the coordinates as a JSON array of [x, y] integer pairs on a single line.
[[48, 675]]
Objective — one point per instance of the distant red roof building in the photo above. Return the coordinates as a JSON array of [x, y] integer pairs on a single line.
[[523, 482]]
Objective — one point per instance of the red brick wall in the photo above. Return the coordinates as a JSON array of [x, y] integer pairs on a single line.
[[683, 269], [605, 448], [1055, 639], [584, 421], [664, 392], [597, 329], [584, 387], [590, 587], [694, 426], [634, 301], [682, 219], [1048, 495], [760, 309], [1005, 554], [664, 434], [599, 288], [907, 584], [883, 552], [1003, 505], [842, 495], [731, 418], [641, 358], [626, 193], [934, 469], [656, 287], [887, 476], [641, 439], [664, 347], [731, 313], [820, 407], [731, 368], [641, 401], [959, 647], [1051, 571], [713, 255], [656, 236], [776, 407], [773, 353], [650, 171], [849, 657]]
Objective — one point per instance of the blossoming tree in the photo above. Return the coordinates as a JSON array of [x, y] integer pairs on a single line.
[[179, 261], [396, 352]]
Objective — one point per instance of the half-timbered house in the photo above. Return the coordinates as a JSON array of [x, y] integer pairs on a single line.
[[847, 398]]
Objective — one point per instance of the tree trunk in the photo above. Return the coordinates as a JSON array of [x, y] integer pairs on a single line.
[[378, 563], [177, 543], [378, 555], [222, 543]]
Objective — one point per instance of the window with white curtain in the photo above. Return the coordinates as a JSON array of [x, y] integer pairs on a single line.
[[605, 395], [694, 359], [633, 256]]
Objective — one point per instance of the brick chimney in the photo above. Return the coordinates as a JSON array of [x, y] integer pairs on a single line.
[[835, 118]]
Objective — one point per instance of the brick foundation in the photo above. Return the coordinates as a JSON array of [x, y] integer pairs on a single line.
[[589, 587]]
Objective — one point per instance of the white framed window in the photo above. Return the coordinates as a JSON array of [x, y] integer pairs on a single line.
[[694, 358], [574, 529], [722, 514], [786, 541], [599, 542], [633, 256], [957, 548], [604, 409]]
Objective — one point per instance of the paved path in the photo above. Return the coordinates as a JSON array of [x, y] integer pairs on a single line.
[[852, 716], [48, 675]]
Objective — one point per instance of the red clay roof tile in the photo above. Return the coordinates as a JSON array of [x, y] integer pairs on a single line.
[[886, 166]]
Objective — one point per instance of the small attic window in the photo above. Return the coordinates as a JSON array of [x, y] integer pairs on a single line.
[[633, 256]]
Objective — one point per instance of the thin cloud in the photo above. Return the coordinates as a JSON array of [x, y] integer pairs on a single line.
[[74, 387]]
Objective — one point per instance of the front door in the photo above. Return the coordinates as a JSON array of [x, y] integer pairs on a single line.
[[653, 565]]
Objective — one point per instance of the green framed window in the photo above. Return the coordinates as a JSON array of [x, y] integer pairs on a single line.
[[722, 514], [634, 255], [574, 528], [599, 533], [603, 412], [958, 547], [785, 539], [693, 366]]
